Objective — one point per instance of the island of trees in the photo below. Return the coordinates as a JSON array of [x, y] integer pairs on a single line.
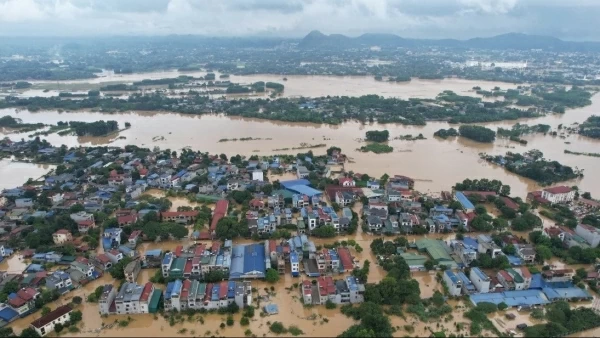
[[533, 165], [591, 127], [477, 133], [377, 135], [445, 133]]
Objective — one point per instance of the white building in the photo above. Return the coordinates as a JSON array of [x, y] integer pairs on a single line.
[[560, 194], [62, 236], [589, 233], [45, 324], [257, 175], [453, 283], [480, 280]]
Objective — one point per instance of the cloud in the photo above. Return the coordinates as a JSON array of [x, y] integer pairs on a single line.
[[572, 19]]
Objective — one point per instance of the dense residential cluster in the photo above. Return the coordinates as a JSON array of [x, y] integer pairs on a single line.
[[90, 216]]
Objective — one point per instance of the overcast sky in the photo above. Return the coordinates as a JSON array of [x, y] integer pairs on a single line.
[[567, 19]]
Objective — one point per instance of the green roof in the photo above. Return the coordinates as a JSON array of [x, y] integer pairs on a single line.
[[178, 265], [285, 193], [413, 259], [67, 258], [153, 305], [434, 248], [516, 276]]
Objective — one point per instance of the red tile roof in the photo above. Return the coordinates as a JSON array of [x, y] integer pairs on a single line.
[[510, 203], [505, 275], [26, 294], [272, 245], [199, 250], [345, 258], [103, 258], [223, 289], [220, 211], [178, 250], [185, 289], [134, 234], [204, 235], [215, 247], [188, 266], [306, 287], [525, 272], [558, 190], [17, 302], [208, 293], [146, 292], [62, 232], [127, 219]]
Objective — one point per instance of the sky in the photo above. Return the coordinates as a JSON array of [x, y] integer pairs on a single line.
[[460, 19]]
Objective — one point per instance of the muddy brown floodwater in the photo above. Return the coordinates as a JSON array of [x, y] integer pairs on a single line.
[[436, 164], [296, 85]]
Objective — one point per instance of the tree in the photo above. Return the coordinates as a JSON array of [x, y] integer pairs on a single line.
[[330, 305], [377, 135], [502, 306], [438, 299], [58, 327], [542, 253], [429, 265], [76, 316], [45, 310], [272, 276], [244, 321], [116, 271], [29, 332]]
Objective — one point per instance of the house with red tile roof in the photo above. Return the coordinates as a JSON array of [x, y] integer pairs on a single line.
[[347, 182], [127, 220], [345, 258], [182, 217], [560, 194], [220, 211], [307, 292], [506, 280], [62, 236], [84, 226]]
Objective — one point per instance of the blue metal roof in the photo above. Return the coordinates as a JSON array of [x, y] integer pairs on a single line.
[[7, 314], [294, 257], [512, 298], [231, 289], [566, 293], [254, 258], [452, 276], [472, 242], [480, 273], [287, 184], [154, 253], [215, 292], [168, 257], [169, 290], [464, 201], [305, 190], [514, 260]]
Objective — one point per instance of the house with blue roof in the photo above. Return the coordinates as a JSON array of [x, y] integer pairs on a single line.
[[295, 264], [453, 283], [468, 287], [59, 280]]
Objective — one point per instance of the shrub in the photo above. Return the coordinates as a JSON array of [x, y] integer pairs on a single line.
[[244, 321], [330, 305], [230, 320], [277, 328]]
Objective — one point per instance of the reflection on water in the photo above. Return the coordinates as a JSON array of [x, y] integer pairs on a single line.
[[14, 174]]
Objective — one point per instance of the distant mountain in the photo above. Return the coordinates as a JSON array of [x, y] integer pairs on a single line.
[[318, 40]]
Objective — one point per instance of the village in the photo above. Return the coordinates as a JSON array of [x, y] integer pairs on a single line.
[[104, 219]]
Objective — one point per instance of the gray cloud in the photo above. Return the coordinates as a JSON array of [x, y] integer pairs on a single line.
[[569, 19]]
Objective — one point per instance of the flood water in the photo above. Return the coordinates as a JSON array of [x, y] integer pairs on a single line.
[[435, 163], [13, 174], [297, 85]]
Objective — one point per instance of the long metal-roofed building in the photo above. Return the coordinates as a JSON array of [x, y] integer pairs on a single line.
[[525, 298], [464, 201], [248, 261]]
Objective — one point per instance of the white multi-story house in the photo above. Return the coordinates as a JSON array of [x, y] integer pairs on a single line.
[[453, 283], [62, 236], [480, 280], [589, 233], [560, 194], [46, 324]]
